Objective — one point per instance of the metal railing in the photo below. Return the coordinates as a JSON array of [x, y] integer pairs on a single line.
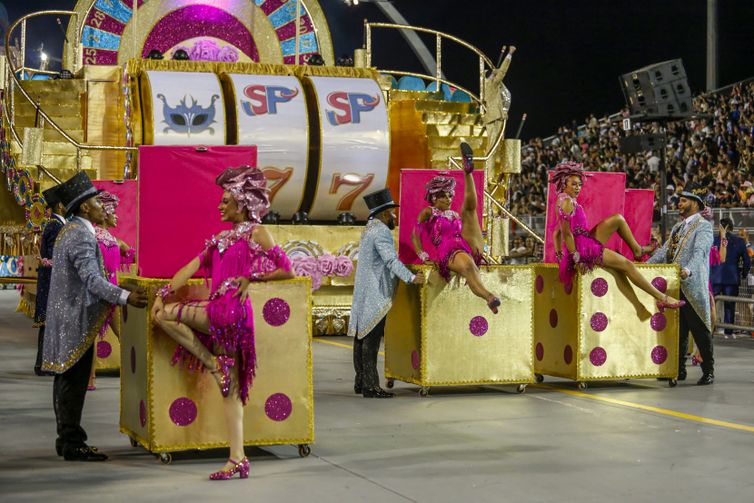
[[484, 61], [744, 313], [484, 64], [14, 81]]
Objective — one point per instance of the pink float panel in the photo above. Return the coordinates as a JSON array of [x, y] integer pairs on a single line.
[[412, 203], [178, 200], [602, 195], [126, 210], [638, 207]]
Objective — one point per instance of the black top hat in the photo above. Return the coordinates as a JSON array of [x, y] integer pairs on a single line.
[[53, 196], [76, 190], [695, 192], [379, 201]]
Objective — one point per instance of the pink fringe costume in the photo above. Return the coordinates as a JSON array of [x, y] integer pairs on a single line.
[[228, 255], [443, 230], [108, 245], [590, 250]]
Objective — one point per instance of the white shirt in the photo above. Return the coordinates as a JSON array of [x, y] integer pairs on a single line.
[[686, 223], [123, 300]]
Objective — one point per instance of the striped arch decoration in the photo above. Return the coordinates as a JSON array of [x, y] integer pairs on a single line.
[[232, 30]]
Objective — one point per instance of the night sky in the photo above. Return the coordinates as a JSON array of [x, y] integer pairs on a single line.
[[569, 57]]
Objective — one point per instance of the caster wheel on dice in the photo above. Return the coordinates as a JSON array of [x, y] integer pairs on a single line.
[[390, 383], [521, 388], [582, 385], [165, 458], [304, 450], [423, 391], [133, 441], [539, 378], [673, 382]]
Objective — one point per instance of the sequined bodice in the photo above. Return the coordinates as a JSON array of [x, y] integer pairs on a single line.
[[234, 253], [443, 224], [110, 250], [577, 218]]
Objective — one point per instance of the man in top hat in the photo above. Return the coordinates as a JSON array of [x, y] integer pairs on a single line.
[[689, 246], [47, 245], [79, 300], [374, 286]]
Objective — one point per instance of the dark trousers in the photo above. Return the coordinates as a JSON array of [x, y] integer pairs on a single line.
[[690, 321], [365, 357], [729, 308], [38, 362], [68, 393]]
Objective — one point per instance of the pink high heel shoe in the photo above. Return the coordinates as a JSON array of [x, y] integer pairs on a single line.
[[468, 158], [662, 305], [224, 364], [646, 250], [493, 304], [240, 467]]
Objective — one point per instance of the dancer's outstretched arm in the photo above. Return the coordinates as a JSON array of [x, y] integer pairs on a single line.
[[180, 279], [557, 237], [565, 206], [416, 240]]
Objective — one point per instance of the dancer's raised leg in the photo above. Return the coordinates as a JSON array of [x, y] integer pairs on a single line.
[[612, 260], [192, 317], [463, 265], [471, 231], [625, 288], [617, 223]]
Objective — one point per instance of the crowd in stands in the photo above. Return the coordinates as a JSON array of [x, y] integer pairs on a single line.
[[718, 152]]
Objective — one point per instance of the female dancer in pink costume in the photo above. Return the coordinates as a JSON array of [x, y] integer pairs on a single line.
[[219, 332], [458, 241], [584, 248], [114, 253]]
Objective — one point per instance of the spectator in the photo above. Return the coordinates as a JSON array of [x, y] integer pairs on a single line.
[[719, 151], [518, 252], [726, 277]]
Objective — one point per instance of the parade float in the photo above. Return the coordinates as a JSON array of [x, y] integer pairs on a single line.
[[159, 96]]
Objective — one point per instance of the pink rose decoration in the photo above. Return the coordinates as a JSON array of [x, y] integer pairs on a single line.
[[343, 266], [204, 50], [326, 264], [308, 266], [228, 55]]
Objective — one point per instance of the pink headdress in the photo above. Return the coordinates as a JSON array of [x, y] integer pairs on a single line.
[[563, 171], [437, 185], [109, 201], [248, 186]]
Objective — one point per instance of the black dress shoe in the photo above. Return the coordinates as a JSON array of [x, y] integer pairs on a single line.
[[83, 453], [377, 393], [357, 389], [706, 379]]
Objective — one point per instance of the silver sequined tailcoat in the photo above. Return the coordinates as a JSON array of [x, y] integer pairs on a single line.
[[79, 298], [693, 254], [377, 271]]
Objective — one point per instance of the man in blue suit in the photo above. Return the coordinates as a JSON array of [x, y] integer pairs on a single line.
[[689, 246], [726, 277]]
